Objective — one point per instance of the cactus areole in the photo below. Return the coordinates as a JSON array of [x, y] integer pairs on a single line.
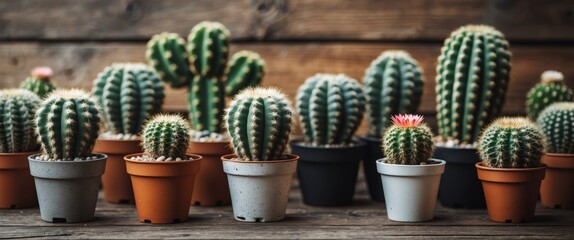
[[408, 141]]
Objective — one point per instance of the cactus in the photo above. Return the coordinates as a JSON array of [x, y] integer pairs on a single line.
[[551, 89], [67, 123], [511, 142], [472, 79], [246, 69], [39, 83], [557, 124], [168, 55], [259, 123], [408, 141], [393, 85], [330, 108], [17, 113], [167, 136], [128, 95]]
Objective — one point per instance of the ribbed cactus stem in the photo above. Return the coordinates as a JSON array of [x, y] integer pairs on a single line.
[[246, 69], [551, 89], [167, 136], [17, 113], [408, 141], [557, 124], [208, 48], [167, 53], [39, 81]]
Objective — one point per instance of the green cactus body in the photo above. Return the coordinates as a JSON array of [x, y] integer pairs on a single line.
[[167, 136], [246, 69], [407, 141], [39, 83], [393, 85], [472, 79], [557, 124], [551, 89], [511, 142], [206, 102], [330, 108], [208, 48], [17, 114], [128, 95], [168, 55], [259, 123], [67, 125]]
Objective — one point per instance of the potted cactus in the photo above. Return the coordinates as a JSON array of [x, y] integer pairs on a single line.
[[551, 89], [128, 95], [39, 83], [330, 110], [511, 172], [557, 124], [393, 85], [472, 79], [259, 173], [163, 175], [17, 142], [410, 177], [201, 65], [67, 173]]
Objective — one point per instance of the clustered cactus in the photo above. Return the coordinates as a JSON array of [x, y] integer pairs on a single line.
[[393, 85], [472, 79], [551, 89], [259, 123], [330, 108], [39, 83], [408, 141], [166, 136], [557, 124], [246, 69], [511, 142], [128, 94], [67, 124], [17, 114]]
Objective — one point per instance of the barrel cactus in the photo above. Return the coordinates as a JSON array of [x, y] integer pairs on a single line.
[[551, 89], [557, 124], [511, 142], [39, 81], [393, 85], [259, 123], [128, 94], [472, 79], [166, 136], [408, 141], [246, 69], [67, 124], [330, 108], [17, 113]]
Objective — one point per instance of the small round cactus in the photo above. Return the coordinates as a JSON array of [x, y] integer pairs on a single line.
[[17, 114], [259, 123], [551, 89], [167, 53], [408, 141], [246, 69], [511, 142], [39, 83], [557, 124], [166, 136]]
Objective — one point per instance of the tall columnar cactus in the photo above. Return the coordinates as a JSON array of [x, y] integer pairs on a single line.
[[17, 113], [511, 142], [128, 95], [246, 69], [330, 108], [167, 136], [67, 123], [167, 53], [393, 85], [472, 79], [408, 141], [551, 89], [39, 81], [557, 124], [259, 123]]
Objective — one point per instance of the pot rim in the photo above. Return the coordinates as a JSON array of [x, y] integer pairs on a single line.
[[402, 170], [118, 140], [480, 166], [368, 137], [194, 156], [438, 163], [20, 153], [100, 156], [227, 158], [560, 154], [359, 143]]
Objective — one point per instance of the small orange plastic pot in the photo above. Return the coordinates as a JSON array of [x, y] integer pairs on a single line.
[[557, 190], [17, 188], [211, 187]]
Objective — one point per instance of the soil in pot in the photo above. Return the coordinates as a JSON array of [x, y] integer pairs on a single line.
[[557, 189], [373, 178], [17, 189], [211, 187]]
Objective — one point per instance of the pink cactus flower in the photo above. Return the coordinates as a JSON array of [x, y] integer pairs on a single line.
[[407, 120], [42, 72]]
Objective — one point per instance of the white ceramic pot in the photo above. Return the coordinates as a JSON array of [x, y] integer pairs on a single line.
[[410, 190]]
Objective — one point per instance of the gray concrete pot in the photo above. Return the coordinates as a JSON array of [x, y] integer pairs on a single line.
[[67, 190], [259, 189]]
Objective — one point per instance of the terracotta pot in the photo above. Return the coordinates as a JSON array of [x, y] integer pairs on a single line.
[[557, 189], [210, 188], [17, 189], [163, 189], [511, 193], [116, 181]]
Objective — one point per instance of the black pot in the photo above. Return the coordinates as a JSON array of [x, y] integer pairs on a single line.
[[459, 185], [328, 176], [373, 153]]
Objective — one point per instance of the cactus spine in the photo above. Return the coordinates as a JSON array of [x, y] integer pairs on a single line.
[[330, 108], [511, 142], [551, 89], [408, 141], [67, 125], [167, 136], [39, 82], [259, 123], [557, 124], [393, 85], [246, 69], [17, 113], [128, 95], [167, 54], [472, 79]]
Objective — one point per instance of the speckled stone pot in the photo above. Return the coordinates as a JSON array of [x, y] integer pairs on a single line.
[[259, 189]]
